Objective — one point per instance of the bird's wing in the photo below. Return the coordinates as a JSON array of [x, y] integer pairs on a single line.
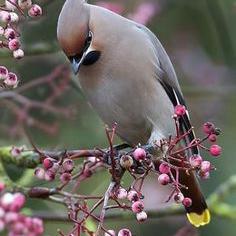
[[166, 75]]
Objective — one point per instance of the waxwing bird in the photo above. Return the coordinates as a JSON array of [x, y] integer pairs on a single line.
[[129, 79]]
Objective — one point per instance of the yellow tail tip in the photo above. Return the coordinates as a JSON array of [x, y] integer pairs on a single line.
[[199, 220]]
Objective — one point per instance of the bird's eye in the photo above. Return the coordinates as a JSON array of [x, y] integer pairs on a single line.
[[91, 58]]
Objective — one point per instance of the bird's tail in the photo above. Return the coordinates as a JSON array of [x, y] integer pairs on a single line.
[[198, 213]]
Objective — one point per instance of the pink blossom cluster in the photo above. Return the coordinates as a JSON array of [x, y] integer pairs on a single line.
[[7, 79], [9, 19], [52, 167], [12, 220]]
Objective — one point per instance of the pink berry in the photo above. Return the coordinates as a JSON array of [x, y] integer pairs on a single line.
[[124, 232], [65, 178], [187, 202], [139, 154], [11, 80], [18, 54], [205, 166], [132, 196], [141, 216], [195, 160], [3, 72], [164, 179], [49, 175], [208, 128], [68, 165], [110, 233], [14, 44], [16, 151], [14, 17], [48, 163], [212, 138], [11, 217], [2, 186], [35, 11], [9, 33], [204, 175], [164, 168], [178, 197], [39, 173], [215, 150], [6, 200], [18, 203], [180, 110], [121, 193], [5, 16], [137, 206]]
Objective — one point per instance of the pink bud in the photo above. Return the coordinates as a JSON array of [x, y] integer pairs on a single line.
[[14, 44], [48, 163], [3, 73], [35, 11], [49, 175], [141, 216], [215, 150], [39, 173], [24, 4], [164, 168], [14, 17], [111, 233], [132, 196], [180, 110], [195, 160], [187, 202], [11, 217], [163, 179], [2, 186], [137, 206], [2, 212], [212, 138], [16, 151], [6, 200], [18, 54], [204, 175], [121, 193], [65, 178], [18, 203], [208, 128], [124, 232], [205, 166], [178, 197], [9, 33], [139, 154], [5, 16], [68, 165], [10, 6], [11, 80]]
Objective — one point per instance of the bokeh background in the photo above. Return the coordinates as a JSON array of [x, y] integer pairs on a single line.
[[200, 38]]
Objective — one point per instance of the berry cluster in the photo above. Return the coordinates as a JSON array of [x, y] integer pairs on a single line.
[[12, 220], [7, 79], [52, 167], [9, 19]]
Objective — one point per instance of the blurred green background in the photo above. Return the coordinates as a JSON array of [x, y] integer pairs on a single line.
[[200, 38]]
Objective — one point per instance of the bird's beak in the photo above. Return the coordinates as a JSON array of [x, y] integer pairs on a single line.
[[77, 61]]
